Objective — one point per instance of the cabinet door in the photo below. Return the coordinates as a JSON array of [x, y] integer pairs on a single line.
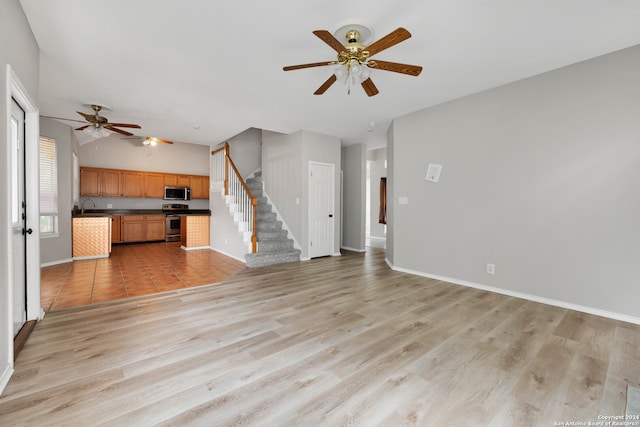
[[132, 184], [133, 228], [116, 229], [90, 181], [170, 180], [111, 183], [153, 185], [184, 181], [196, 187], [154, 227]]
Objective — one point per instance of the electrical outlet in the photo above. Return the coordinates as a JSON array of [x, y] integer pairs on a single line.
[[491, 269], [109, 205]]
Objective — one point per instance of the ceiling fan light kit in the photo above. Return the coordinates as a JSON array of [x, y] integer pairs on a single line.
[[353, 58]]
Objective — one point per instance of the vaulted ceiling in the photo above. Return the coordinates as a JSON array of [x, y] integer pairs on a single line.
[[202, 71]]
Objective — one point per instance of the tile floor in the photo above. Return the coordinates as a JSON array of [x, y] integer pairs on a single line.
[[132, 270]]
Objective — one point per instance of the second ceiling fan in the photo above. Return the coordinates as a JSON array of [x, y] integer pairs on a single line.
[[354, 59]]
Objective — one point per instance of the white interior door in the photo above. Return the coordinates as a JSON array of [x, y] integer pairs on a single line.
[[18, 217], [321, 209]]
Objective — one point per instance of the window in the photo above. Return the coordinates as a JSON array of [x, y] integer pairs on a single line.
[[48, 187]]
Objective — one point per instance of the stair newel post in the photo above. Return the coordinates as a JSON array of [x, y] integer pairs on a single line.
[[254, 227]]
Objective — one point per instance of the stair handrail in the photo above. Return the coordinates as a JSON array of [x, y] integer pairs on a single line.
[[228, 164]]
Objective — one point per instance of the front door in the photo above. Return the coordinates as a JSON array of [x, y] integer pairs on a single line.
[[321, 209], [18, 217]]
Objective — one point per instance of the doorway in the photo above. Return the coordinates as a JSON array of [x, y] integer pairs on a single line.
[[321, 209]]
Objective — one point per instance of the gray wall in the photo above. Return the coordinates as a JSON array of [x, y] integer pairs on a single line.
[[353, 197], [285, 166], [540, 177], [115, 152], [58, 249], [19, 50]]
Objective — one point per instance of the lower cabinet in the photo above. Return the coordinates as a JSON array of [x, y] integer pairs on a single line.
[[142, 228], [116, 229]]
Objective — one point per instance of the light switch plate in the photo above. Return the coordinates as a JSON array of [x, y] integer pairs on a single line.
[[403, 200]]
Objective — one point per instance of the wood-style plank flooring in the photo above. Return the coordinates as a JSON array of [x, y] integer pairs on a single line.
[[132, 270], [328, 342]]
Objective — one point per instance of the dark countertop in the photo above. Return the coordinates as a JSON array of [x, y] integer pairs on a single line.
[[88, 213]]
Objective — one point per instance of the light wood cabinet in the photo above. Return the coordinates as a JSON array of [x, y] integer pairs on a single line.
[[133, 228], [154, 185], [116, 229], [132, 184], [126, 183], [142, 228], [170, 180], [111, 181], [90, 181], [184, 181], [154, 227]]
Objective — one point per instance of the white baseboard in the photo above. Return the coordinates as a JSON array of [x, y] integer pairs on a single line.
[[522, 295], [194, 248], [62, 261], [242, 260], [347, 248], [4, 378]]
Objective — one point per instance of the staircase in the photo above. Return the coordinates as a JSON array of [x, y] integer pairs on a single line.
[[274, 247]]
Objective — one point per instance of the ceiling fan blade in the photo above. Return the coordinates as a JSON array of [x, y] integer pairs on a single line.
[[391, 39], [120, 131], [83, 127], [88, 117], [164, 141], [412, 70], [329, 39], [61, 118], [313, 64], [326, 85], [369, 87], [124, 125]]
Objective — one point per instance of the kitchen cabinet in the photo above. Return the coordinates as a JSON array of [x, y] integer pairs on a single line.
[[154, 185], [143, 228], [111, 183], [133, 184], [154, 227], [170, 180], [116, 229], [96, 182], [90, 181], [199, 187], [184, 181]]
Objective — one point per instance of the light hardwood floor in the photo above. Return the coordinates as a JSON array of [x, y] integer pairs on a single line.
[[332, 341]]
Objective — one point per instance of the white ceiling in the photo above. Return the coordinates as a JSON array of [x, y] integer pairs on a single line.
[[173, 65]]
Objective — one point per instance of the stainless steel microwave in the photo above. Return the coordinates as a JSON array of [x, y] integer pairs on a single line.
[[177, 193]]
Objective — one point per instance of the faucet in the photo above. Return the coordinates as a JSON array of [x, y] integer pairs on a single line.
[[82, 206]]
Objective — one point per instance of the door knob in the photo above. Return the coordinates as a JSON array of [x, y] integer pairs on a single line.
[[27, 231], [330, 215]]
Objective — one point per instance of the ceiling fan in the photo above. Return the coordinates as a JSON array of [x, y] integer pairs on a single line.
[[149, 140], [354, 59], [98, 125]]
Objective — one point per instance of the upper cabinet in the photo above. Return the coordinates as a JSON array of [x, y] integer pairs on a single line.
[[90, 181], [126, 183]]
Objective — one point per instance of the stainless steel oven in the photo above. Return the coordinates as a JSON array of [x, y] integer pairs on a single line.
[[172, 228], [172, 221]]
